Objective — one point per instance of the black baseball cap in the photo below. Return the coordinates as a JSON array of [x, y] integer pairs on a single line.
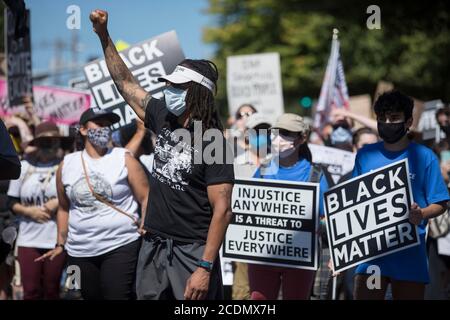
[[90, 115]]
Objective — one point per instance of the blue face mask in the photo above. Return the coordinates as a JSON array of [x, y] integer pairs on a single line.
[[175, 100], [258, 141], [341, 135]]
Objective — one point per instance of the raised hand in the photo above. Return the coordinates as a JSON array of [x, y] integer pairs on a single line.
[[99, 20]]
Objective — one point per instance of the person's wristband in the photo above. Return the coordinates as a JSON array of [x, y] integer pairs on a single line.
[[207, 265], [59, 245]]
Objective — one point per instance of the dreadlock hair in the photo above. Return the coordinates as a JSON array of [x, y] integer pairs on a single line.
[[199, 99]]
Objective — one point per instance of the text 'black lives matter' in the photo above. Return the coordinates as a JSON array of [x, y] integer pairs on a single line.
[[368, 216], [147, 61]]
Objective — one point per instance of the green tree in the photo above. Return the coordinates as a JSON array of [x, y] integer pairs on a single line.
[[411, 49]]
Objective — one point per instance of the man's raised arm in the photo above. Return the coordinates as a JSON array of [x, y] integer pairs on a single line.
[[128, 87]]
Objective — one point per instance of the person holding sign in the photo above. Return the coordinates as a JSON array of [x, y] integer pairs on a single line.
[[34, 200], [245, 165], [406, 270], [292, 162], [189, 207]]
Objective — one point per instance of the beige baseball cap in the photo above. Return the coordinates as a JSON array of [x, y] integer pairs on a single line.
[[291, 122], [257, 119]]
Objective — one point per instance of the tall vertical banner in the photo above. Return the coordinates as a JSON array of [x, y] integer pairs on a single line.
[[274, 223], [255, 79], [18, 53], [368, 216], [147, 61]]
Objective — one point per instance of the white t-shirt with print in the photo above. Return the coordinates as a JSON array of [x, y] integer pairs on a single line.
[[94, 227], [35, 186]]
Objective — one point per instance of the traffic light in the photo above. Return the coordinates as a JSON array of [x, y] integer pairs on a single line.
[[306, 102]]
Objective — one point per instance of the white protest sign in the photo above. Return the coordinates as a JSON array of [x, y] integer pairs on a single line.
[[337, 162], [274, 223], [255, 79], [427, 123], [368, 216], [226, 267], [147, 61]]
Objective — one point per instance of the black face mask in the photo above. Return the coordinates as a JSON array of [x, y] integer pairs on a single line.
[[446, 129], [391, 132]]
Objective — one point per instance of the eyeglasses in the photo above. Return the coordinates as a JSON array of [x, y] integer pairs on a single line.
[[244, 114]]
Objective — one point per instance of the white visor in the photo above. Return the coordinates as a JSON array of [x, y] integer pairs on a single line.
[[183, 75]]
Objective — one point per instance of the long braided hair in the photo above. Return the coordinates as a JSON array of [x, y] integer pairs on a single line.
[[199, 99]]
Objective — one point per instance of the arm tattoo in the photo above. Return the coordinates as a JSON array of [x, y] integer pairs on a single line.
[[226, 193], [145, 100], [121, 75]]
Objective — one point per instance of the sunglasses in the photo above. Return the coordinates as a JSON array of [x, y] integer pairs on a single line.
[[244, 114], [48, 143], [287, 133]]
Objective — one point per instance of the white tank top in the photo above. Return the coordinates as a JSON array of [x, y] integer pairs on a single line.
[[95, 228]]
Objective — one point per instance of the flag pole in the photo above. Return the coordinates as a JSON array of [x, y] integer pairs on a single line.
[[328, 84], [335, 33], [334, 283], [332, 76]]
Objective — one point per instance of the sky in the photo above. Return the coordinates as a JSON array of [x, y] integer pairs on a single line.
[[131, 21]]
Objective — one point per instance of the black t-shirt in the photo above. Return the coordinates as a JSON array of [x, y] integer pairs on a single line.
[[9, 161], [178, 205]]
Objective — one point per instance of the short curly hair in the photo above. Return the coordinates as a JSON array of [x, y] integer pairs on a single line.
[[394, 101]]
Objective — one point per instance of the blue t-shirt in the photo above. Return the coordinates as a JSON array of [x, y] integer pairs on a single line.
[[428, 187], [299, 172]]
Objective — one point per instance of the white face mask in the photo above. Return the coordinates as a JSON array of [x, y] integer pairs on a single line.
[[283, 146], [175, 100]]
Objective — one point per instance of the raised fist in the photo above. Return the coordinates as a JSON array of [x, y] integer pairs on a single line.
[[99, 20]]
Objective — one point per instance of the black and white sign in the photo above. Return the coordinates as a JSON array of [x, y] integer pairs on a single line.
[[274, 223], [18, 48], [337, 163], [147, 61], [427, 123], [367, 216]]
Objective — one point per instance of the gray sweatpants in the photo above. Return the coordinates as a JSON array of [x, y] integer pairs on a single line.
[[165, 265]]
